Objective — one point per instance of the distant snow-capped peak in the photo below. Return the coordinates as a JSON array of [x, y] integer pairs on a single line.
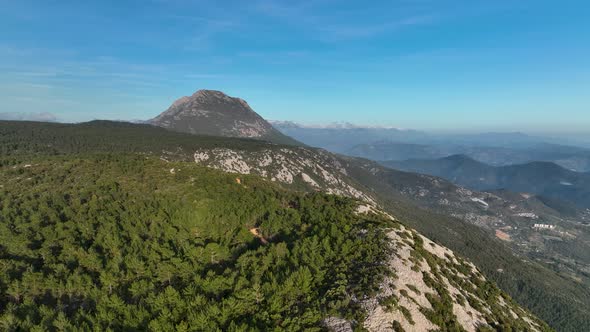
[[330, 125]]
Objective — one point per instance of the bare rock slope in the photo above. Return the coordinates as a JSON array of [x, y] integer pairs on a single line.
[[430, 288], [209, 112], [297, 166]]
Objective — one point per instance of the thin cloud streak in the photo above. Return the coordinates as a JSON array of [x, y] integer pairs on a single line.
[[16, 116], [342, 32]]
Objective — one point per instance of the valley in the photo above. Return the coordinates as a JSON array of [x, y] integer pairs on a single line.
[[540, 178]]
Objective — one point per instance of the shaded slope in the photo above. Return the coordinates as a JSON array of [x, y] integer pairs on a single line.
[[541, 178], [569, 157], [559, 300]]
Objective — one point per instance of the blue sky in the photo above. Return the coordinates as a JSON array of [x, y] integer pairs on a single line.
[[422, 64]]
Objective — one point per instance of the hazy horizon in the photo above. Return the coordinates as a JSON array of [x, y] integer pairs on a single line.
[[571, 137]]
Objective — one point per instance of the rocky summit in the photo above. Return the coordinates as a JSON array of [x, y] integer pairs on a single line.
[[210, 112]]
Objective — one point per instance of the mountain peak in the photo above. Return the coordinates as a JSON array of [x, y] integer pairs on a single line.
[[208, 96], [211, 95], [214, 113], [205, 92]]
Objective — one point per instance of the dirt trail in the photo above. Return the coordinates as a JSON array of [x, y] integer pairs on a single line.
[[256, 232]]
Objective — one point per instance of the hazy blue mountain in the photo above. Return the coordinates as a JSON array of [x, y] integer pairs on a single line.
[[385, 150], [497, 149], [541, 178], [573, 158], [344, 136], [341, 137], [494, 139]]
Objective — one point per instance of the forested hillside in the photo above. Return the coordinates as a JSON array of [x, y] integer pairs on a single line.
[[107, 136], [128, 243], [27, 143]]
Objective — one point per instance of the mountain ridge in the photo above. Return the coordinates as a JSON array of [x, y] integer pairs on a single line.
[[387, 143], [570, 157], [539, 177]]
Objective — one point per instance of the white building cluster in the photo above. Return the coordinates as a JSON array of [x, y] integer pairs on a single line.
[[543, 226]]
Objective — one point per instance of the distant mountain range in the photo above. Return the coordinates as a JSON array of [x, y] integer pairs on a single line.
[[340, 138], [572, 158], [210, 112], [541, 178], [374, 133], [497, 149]]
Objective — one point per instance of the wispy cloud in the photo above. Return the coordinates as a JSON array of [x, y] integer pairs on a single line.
[[16, 116], [347, 31], [276, 57], [290, 9], [204, 76], [202, 23], [339, 25], [18, 51]]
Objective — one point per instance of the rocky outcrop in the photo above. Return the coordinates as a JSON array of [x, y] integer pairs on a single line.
[[209, 112], [430, 288], [312, 169]]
